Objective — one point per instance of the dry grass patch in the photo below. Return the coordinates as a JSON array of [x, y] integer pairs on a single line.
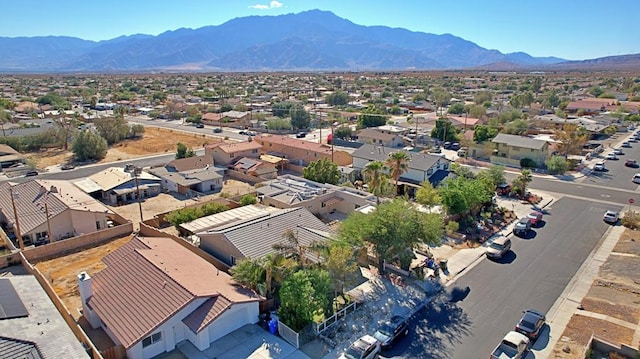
[[579, 330], [62, 271], [616, 310]]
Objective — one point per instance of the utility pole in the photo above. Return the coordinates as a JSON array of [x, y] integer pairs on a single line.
[[46, 212], [137, 172], [15, 216]]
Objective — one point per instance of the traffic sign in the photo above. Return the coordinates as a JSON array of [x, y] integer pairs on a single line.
[[631, 200]]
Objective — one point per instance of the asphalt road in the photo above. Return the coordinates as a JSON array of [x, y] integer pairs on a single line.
[[533, 275]]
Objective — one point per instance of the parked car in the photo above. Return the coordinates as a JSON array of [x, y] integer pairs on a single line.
[[618, 151], [447, 145], [514, 345], [499, 247], [199, 125], [611, 216], [391, 330], [522, 227], [632, 139], [611, 156], [455, 146], [31, 173], [599, 166], [436, 150], [301, 135], [242, 132], [636, 178], [626, 144], [503, 189], [67, 166], [631, 163], [462, 152], [536, 218], [531, 323], [366, 347], [217, 130]]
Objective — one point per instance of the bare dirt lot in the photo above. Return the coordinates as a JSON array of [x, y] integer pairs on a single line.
[[154, 141], [62, 272], [615, 293]]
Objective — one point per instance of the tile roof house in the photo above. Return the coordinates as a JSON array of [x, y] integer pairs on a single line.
[[375, 137], [30, 325], [301, 152], [196, 174], [422, 166], [156, 292], [118, 185], [254, 237], [255, 167], [510, 149], [50, 205], [224, 154]]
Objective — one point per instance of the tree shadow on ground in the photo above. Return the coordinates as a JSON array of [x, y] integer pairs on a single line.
[[439, 325]]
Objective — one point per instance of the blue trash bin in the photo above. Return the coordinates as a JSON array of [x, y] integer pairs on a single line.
[[273, 326]]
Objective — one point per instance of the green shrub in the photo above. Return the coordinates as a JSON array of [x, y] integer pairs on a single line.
[[452, 227], [528, 163]]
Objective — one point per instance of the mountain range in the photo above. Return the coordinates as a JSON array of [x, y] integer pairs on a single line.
[[308, 41]]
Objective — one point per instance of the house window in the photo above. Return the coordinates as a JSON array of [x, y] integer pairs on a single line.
[[97, 224], [271, 145], [315, 155], [41, 235], [254, 151], [233, 260], [152, 339]]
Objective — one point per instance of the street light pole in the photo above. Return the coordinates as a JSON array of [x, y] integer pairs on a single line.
[[15, 216]]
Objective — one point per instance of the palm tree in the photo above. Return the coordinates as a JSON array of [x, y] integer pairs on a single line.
[[374, 176], [521, 182], [276, 267], [293, 248], [247, 272], [398, 163]]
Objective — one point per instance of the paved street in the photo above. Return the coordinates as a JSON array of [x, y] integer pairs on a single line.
[[532, 276]]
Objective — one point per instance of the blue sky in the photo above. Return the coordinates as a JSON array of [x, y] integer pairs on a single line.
[[570, 29]]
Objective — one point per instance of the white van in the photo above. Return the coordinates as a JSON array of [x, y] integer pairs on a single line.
[[636, 178]]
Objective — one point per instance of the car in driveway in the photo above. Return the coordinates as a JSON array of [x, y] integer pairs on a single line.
[[631, 163], [498, 248], [446, 145], [366, 347], [599, 166], [522, 227], [611, 216], [531, 323], [536, 218], [455, 146], [391, 330], [611, 156]]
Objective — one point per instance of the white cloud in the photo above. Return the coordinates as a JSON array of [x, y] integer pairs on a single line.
[[272, 5]]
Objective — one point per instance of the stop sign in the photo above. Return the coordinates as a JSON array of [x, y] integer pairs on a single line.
[[631, 200]]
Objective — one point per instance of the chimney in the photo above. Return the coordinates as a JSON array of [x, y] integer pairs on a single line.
[[86, 292]]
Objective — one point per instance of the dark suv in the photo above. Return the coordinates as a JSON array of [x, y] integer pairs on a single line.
[[391, 330], [531, 323]]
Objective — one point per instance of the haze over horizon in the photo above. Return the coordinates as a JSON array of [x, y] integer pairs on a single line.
[[570, 30]]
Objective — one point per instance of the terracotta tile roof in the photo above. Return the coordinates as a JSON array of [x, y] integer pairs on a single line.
[[148, 280], [294, 142], [236, 147], [206, 313]]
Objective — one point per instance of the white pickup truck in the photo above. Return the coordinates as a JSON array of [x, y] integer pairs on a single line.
[[513, 346]]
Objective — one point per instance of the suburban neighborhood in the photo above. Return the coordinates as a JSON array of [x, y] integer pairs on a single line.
[[319, 215]]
